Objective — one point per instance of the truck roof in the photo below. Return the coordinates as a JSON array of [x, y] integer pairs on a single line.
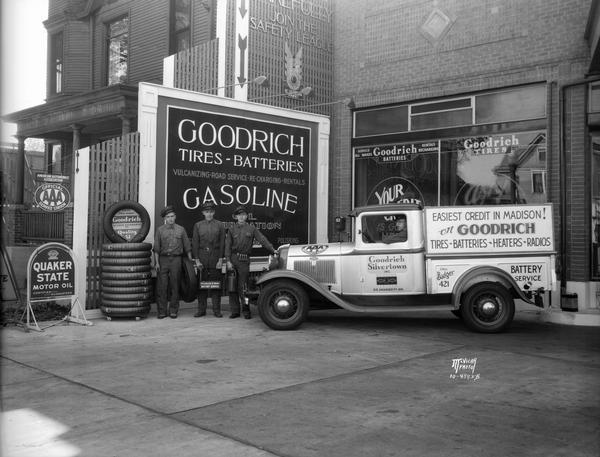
[[385, 208]]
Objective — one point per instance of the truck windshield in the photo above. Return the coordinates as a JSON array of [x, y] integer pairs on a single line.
[[384, 228]]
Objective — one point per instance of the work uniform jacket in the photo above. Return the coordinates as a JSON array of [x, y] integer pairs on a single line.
[[208, 242], [240, 239], [171, 240]]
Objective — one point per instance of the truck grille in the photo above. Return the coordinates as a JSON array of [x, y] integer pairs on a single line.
[[321, 270]]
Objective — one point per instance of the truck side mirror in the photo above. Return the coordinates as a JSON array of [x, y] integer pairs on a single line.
[[340, 224]]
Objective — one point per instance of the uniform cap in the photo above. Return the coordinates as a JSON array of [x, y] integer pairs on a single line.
[[240, 210], [166, 210], [208, 206]]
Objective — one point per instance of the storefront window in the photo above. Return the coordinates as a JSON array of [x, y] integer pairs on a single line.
[[381, 121], [596, 207], [527, 102], [494, 170], [498, 169]]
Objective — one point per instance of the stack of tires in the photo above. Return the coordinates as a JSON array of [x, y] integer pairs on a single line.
[[126, 278]]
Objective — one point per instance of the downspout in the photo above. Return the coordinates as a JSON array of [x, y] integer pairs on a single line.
[[562, 157]]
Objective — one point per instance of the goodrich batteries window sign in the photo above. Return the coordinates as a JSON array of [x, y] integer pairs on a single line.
[[230, 161]]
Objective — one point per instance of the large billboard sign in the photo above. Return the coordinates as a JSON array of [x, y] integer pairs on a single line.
[[230, 161], [197, 148]]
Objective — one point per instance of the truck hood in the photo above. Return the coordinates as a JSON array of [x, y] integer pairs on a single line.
[[317, 249]]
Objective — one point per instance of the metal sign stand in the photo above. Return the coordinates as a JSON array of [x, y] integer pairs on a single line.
[[77, 318], [29, 312]]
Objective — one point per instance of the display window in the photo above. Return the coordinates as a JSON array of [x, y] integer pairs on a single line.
[[505, 168], [595, 188]]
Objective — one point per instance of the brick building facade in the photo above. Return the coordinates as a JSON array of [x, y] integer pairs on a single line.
[[426, 74]]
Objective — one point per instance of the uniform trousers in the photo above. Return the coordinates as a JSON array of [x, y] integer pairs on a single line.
[[209, 274], [242, 269], [168, 278]]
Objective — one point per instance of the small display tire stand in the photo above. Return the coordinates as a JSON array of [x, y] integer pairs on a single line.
[[126, 271], [51, 276]]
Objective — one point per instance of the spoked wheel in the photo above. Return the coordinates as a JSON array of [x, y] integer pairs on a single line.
[[488, 308], [283, 305]]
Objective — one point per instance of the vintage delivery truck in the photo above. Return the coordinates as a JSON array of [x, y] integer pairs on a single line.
[[472, 260]]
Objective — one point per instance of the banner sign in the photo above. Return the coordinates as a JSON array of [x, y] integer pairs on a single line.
[[51, 273], [396, 152], [232, 161], [500, 229], [45, 177]]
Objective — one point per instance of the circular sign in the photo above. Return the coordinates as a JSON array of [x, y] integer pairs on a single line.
[[52, 197], [126, 222]]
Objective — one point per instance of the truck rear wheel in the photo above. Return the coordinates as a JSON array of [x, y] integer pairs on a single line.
[[487, 308], [283, 305]]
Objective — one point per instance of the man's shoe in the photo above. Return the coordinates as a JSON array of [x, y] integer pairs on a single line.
[[173, 316], [161, 316], [218, 314], [200, 314], [234, 315]]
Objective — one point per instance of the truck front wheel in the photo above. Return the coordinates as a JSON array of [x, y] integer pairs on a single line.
[[283, 305], [487, 308]]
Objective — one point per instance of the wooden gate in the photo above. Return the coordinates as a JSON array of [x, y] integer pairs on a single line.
[[114, 176]]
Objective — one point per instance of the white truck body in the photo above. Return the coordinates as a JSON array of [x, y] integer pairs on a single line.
[[439, 261]]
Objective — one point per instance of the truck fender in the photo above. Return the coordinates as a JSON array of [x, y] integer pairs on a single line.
[[477, 275], [307, 281]]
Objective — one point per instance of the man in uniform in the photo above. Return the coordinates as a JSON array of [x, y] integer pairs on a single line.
[[238, 245], [208, 247], [170, 243]]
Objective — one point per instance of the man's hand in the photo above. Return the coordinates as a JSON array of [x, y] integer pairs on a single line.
[[219, 264], [229, 265]]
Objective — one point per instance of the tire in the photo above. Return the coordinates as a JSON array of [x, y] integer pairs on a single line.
[[125, 303], [487, 308], [127, 296], [127, 290], [148, 282], [127, 276], [114, 209], [127, 246], [117, 255], [283, 305], [188, 284], [125, 261], [125, 268], [134, 311]]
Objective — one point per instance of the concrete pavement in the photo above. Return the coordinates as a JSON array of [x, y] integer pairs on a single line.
[[341, 385]]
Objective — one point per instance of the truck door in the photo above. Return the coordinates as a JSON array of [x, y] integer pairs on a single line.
[[392, 257]]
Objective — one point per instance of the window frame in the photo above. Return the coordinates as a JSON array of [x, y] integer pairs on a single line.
[[173, 33], [56, 65], [107, 54]]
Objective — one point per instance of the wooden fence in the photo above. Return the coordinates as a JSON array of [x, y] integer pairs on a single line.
[[196, 68], [114, 176]]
